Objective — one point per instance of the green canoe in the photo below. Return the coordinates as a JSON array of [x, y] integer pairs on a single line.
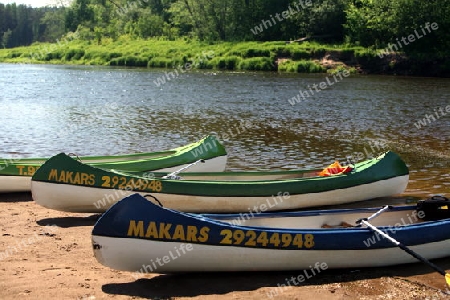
[[15, 174], [65, 184]]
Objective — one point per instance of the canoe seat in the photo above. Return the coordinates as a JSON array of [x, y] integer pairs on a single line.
[[342, 225]]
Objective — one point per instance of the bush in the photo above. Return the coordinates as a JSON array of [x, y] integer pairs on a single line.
[[160, 62], [100, 55], [287, 66], [318, 52], [247, 53], [53, 55], [299, 54], [74, 54], [226, 63], [306, 66], [282, 52], [119, 61], [204, 64], [366, 56], [14, 54], [114, 55], [129, 61], [341, 69], [135, 61], [257, 64]]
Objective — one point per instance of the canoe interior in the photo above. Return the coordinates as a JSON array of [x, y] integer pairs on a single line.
[[255, 175], [401, 216], [242, 176]]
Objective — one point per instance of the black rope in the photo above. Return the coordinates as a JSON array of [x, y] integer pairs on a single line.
[[148, 195]]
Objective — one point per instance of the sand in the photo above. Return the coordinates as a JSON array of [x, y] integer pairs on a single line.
[[38, 261]]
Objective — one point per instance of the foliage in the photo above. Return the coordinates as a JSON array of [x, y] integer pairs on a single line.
[[23, 25], [302, 66], [383, 23], [259, 24]]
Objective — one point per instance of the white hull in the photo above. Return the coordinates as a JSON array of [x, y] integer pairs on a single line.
[[133, 254], [15, 184], [73, 198], [11, 184]]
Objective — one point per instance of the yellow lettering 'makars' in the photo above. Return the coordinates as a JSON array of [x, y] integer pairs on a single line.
[[167, 231]]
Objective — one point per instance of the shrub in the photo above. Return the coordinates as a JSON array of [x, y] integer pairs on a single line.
[[252, 52], [119, 61], [298, 54], [74, 54], [318, 52], [257, 64], [226, 63], [366, 56], [136, 61], [282, 52], [306, 66], [159, 62], [287, 66], [14, 54], [53, 55]]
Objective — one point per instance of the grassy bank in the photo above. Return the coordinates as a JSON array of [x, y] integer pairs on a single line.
[[306, 57]]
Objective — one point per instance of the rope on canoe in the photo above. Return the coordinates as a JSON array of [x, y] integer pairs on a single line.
[[148, 195]]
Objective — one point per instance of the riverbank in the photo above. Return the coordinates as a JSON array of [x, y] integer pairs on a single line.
[[50, 256], [297, 57]]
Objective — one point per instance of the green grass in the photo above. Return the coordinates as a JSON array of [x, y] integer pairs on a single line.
[[158, 53], [302, 66]]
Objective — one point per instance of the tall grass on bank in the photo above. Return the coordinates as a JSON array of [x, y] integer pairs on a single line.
[[154, 53]]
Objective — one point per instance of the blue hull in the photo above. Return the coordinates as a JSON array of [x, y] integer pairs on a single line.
[[135, 217]]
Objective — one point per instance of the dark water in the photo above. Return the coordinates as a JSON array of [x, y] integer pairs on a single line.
[[45, 110]]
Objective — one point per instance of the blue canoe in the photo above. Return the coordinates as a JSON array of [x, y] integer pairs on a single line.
[[139, 236]]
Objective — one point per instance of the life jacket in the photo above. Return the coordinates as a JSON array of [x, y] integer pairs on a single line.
[[434, 208], [335, 169]]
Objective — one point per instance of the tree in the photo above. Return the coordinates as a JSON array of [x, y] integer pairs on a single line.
[[6, 38], [149, 24], [80, 13], [52, 24]]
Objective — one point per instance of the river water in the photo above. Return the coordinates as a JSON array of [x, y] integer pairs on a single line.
[[48, 109]]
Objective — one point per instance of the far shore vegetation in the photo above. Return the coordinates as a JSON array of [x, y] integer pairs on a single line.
[[405, 37]]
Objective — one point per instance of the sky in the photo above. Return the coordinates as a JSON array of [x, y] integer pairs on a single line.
[[36, 3]]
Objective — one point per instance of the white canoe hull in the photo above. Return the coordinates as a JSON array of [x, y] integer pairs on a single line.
[[12, 184], [148, 256], [15, 184], [73, 198]]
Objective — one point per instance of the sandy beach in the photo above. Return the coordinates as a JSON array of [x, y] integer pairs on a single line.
[[48, 254]]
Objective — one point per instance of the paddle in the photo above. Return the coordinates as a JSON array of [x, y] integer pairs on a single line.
[[404, 248], [174, 174], [383, 209]]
